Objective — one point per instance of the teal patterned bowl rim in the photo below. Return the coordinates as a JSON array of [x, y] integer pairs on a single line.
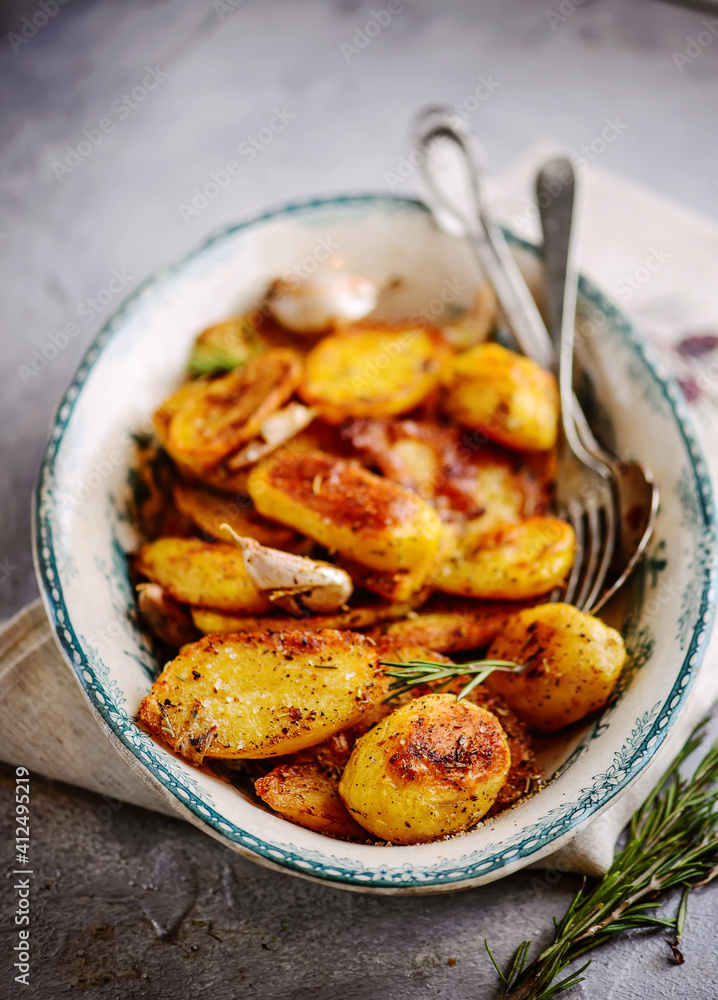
[[647, 736]]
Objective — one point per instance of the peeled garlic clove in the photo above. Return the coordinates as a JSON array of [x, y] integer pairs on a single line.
[[276, 429], [321, 302], [295, 582]]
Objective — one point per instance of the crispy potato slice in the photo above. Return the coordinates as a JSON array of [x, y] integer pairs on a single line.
[[210, 509], [503, 394], [513, 562], [196, 572], [209, 621], [432, 768], [263, 694], [364, 517], [372, 370], [308, 795], [574, 661], [164, 617], [447, 625], [230, 410], [187, 393]]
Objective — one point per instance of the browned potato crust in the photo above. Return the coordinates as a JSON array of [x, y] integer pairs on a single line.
[[201, 573], [308, 795], [372, 370], [574, 661], [432, 768], [210, 509], [264, 694], [364, 517], [208, 620], [448, 625], [230, 410]]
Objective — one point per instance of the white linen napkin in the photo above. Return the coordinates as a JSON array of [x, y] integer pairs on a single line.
[[53, 732]]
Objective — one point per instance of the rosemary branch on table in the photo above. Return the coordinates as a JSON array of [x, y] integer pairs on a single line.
[[672, 840], [417, 673]]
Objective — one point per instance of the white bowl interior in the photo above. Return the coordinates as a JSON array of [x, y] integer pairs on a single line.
[[82, 530]]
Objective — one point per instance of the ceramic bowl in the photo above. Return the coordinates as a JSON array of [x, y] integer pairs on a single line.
[[82, 532]]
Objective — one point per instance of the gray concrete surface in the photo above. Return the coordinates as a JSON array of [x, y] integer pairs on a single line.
[[130, 904]]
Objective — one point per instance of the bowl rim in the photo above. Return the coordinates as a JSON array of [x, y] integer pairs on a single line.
[[641, 747]]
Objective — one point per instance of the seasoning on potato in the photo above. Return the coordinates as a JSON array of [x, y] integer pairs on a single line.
[[364, 517], [432, 768], [509, 397], [573, 662], [308, 795], [372, 371], [514, 562], [263, 694]]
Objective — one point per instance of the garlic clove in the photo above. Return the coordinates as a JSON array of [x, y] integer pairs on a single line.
[[276, 429], [295, 582], [321, 302]]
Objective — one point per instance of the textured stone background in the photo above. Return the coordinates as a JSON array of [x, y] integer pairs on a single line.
[[130, 904]]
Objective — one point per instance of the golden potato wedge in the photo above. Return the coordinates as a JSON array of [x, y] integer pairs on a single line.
[[188, 393], [231, 408], [447, 625], [573, 659], [505, 395], [263, 694], [372, 371], [164, 617], [224, 346], [432, 768], [308, 795], [513, 562], [209, 509], [364, 517], [209, 621], [201, 573]]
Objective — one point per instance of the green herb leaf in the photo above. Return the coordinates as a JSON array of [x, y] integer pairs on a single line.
[[417, 673]]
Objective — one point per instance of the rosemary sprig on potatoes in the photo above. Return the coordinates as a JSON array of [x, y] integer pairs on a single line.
[[417, 673], [672, 841]]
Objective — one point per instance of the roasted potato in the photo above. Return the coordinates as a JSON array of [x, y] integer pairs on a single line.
[[208, 621], [433, 767], [224, 346], [187, 394], [364, 517], [446, 625], [505, 395], [372, 371], [263, 694], [308, 795], [210, 509], [513, 562], [196, 572], [229, 411], [573, 662]]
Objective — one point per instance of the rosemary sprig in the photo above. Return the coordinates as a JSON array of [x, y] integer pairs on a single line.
[[672, 841], [211, 359], [416, 673]]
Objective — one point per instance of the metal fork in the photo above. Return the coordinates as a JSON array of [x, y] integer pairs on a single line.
[[585, 484]]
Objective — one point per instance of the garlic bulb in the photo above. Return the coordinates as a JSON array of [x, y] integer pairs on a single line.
[[321, 302], [294, 582]]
